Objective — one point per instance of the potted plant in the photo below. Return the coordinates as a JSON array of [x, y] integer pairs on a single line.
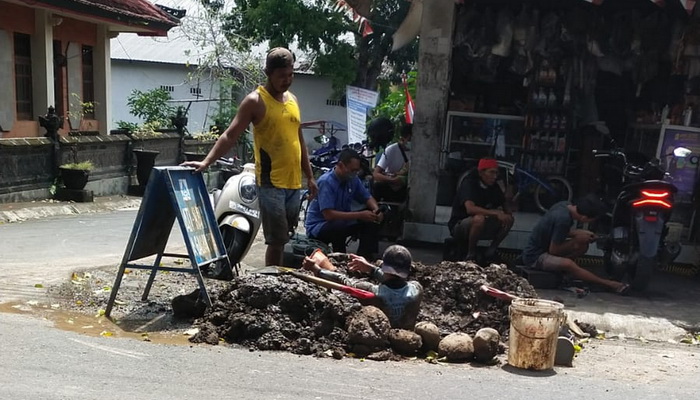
[[75, 175]]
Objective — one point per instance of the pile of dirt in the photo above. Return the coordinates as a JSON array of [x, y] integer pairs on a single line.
[[281, 312]]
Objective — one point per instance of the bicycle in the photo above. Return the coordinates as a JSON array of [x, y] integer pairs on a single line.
[[547, 191]]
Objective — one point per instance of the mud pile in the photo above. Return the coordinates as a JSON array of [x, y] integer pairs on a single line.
[[281, 312]]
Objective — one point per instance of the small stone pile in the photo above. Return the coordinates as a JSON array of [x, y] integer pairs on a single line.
[[281, 312]]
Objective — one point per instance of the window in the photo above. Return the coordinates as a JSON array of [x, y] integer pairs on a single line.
[[196, 91], [23, 76], [167, 88], [88, 82]]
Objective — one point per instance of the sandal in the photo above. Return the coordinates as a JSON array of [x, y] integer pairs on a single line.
[[623, 290]]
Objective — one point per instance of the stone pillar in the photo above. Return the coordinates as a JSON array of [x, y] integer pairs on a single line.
[[434, 75], [103, 85], [42, 61]]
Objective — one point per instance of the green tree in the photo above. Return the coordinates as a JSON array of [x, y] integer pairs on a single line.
[[152, 106], [318, 29], [393, 101]]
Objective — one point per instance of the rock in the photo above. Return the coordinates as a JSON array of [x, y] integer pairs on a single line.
[[338, 353], [383, 355], [369, 327], [457, 347], [405, 342], [486, 344], [430, 334]]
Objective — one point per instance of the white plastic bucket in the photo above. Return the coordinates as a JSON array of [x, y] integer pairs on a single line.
[[534, 328]]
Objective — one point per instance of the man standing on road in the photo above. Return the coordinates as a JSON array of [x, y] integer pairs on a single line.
[[479, 211], [553, 244], [280, 151]]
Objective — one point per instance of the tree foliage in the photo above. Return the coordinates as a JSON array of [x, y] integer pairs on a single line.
[[331, 38], [393, 101]]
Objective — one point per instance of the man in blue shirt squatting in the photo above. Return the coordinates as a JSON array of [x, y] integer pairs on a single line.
[[395, 295], [330, 218]]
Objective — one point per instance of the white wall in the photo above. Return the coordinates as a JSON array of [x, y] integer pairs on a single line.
[[130, 75], [313, 92]]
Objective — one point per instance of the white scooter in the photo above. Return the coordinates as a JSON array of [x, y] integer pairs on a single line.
[[238, 215]]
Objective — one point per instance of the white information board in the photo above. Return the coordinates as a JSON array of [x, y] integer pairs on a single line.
[[360, 101]]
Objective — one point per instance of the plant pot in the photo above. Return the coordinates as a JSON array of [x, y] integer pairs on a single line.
[[74, 179], [145, 161], [190, 156]]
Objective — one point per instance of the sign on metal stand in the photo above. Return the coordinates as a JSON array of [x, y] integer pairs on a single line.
[[173, 193]]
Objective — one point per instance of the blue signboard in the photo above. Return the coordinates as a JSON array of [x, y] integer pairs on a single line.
[[173, 193], [683, 170]]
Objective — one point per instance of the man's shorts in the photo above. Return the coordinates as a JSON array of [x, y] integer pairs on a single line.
[[491, 228], [548, 262], [279, 212]]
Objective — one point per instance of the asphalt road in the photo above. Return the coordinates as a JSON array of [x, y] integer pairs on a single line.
[[40, 362], [48, 250]]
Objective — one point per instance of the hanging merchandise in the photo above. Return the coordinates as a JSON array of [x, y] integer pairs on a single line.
[[505, 31]]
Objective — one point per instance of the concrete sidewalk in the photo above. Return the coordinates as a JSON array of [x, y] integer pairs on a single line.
[[18, 212]]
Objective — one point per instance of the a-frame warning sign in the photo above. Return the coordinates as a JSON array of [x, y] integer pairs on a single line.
[[173, 193]]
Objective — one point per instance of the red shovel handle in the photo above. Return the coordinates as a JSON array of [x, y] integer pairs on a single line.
[[357, 293], [499, 294]]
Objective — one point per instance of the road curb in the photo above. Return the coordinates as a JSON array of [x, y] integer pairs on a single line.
[[38, 210]]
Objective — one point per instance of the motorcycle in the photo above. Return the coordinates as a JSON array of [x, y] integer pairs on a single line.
[[237, 212], [633, 238]]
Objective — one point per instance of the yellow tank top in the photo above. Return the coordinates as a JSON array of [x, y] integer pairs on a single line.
[[276, 143]]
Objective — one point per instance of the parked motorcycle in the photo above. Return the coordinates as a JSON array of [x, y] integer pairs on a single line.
[[238, 215], [633, 238]]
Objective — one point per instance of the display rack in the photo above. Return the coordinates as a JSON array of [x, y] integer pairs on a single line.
[[548, 124], [470, 136]]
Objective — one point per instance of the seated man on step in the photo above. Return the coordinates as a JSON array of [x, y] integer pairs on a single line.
[[553, 244], [479, 211], [391, 173], [330, 218]]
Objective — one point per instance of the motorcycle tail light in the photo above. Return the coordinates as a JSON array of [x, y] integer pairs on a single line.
[[656, 194], [651, 202], [650, 218]]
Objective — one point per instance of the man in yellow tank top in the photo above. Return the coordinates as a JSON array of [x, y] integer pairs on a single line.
[[280, 151]]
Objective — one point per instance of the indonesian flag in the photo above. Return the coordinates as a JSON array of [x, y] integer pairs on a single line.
[[409, 107], [366, 28]]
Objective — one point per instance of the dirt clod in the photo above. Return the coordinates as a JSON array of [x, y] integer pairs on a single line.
[[486, 343], [430, 335], [457, 347], [405, 342]]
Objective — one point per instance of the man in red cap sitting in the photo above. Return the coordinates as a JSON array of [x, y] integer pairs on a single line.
[[480, 211]]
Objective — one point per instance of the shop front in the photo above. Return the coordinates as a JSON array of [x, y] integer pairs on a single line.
[[542, 84]]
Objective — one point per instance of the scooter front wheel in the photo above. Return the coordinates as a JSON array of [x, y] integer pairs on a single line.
[[235, 241]]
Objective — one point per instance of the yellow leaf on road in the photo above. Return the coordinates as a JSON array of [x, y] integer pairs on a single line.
[[38, 285], [106, 333]]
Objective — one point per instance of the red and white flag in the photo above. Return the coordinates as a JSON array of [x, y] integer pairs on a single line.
[[366, 28], [409, 107]]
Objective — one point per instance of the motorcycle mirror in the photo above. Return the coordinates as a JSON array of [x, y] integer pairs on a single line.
[[681, 152]]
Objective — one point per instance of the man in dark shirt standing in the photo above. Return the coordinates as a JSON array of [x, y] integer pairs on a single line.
[[553, 244], [479, 211]]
